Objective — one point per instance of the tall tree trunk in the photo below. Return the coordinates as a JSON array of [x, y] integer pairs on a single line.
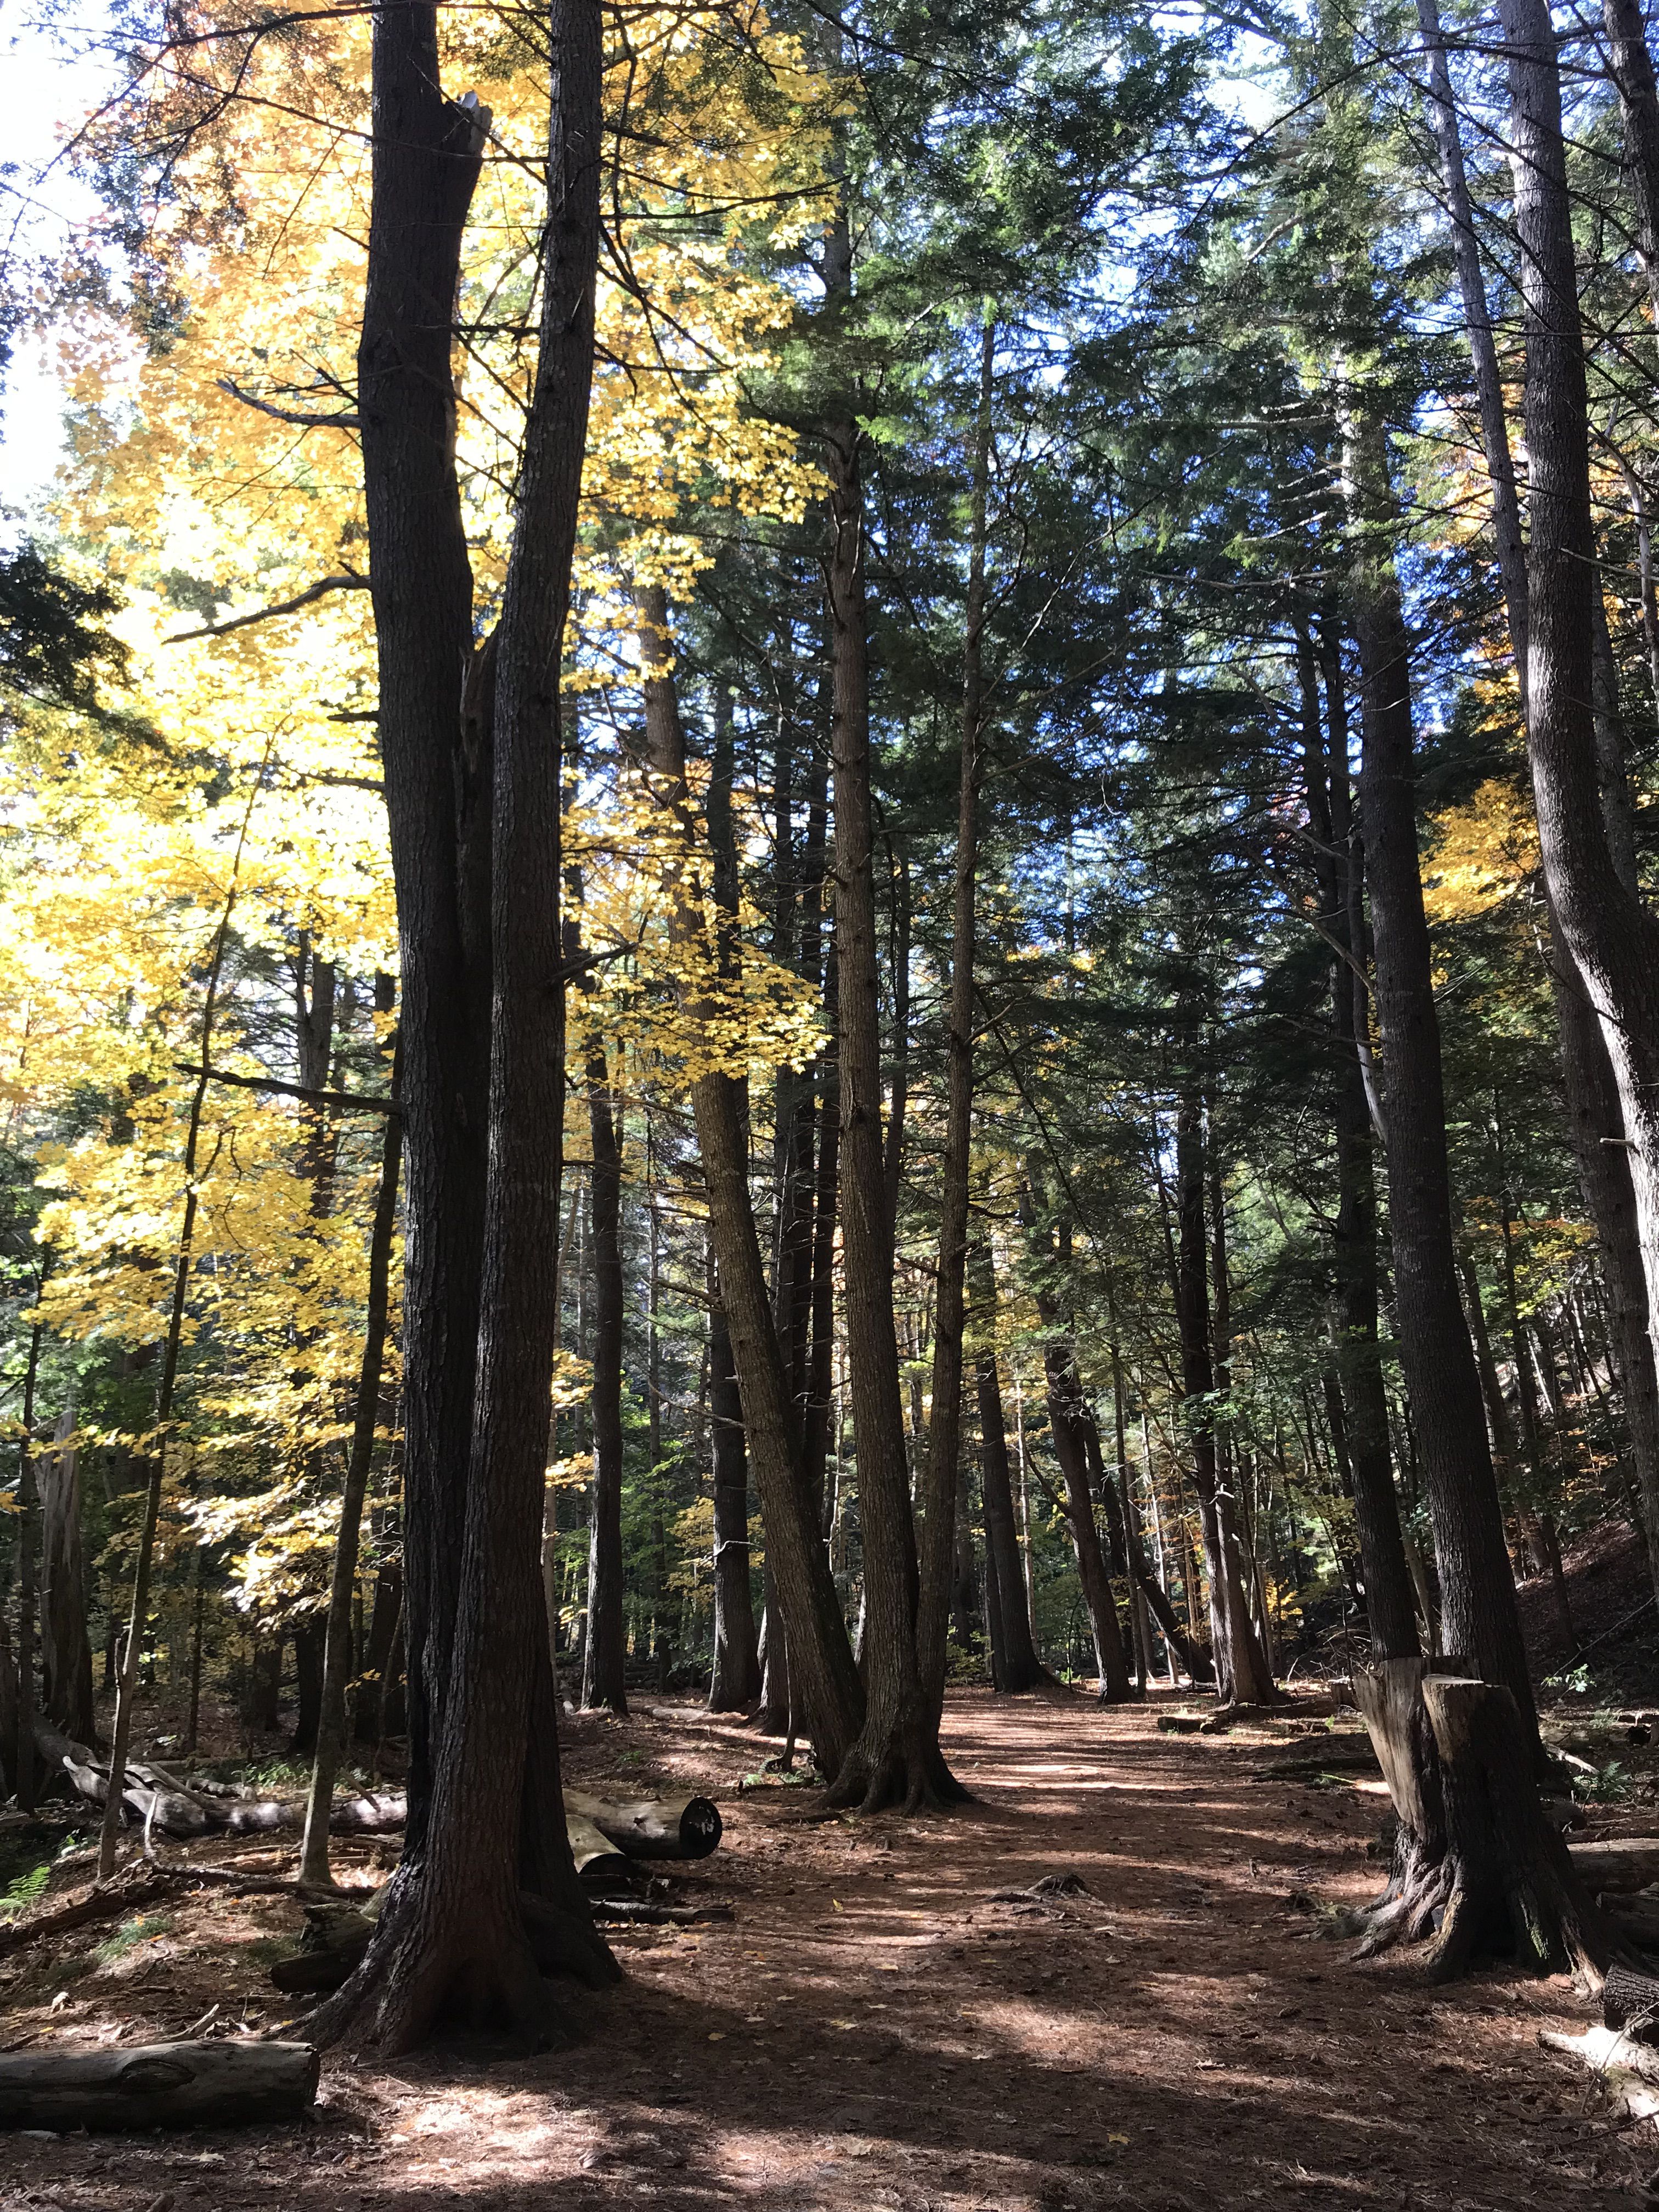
[[1072, 1423], [942, 1482], [1631, 70], [27, 1584], [337, 1644], [1594, 1112], [66, 1649], [1021, 1669], [1389, 1589], [451, 1936], [1479, 1616], [896, 1758], [1612, 938], [1241, 1667], [736, 1681], [603, 1652], [825, 1689]]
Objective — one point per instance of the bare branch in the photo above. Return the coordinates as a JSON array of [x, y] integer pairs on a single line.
[[229, 384], [349, 581]]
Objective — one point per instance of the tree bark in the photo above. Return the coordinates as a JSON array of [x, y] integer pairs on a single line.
[[1631, 70], [1478, 1592], [1612, 938], [602, 1649], [896, 1758], [943, 1479], [452, 1937], [336, 1645], [825, 1688], [66, 1649], [1020, 1668], [736, 1679], [1388, 1591], [158, 2085], [1594, 1112], [1241, 1667]]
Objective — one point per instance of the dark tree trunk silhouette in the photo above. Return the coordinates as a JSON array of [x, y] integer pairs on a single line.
[[1019, 1666], [943, 1477], [1478, 1592], [736, 1681], [474, 805], [1363, 1406], [1241, 1667], [896, 1757], [1612, 937], [603, 1648]]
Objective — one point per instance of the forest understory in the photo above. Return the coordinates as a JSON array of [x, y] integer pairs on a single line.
[[879, 2023]]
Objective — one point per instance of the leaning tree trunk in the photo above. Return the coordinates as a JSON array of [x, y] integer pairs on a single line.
[[603, 1648], [452, 1937], [1068, 1420], [1612, 936], [1478, 1591], [825, 1689], [896, 1758]]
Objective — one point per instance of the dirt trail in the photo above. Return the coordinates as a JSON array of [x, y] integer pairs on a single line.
[[872, 2029]]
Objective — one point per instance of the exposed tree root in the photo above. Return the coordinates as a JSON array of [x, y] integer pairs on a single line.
[[1479, 1872], [898, 1766], [482, 1967]]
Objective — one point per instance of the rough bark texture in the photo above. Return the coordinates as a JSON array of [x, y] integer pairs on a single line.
[[337, 1647], [1388, 1592], [1478, 1591], [604, 1647], [65, 1650], [158, 2085], [1594, 1109], [943, 1479], [735, 1683], [1612, 938], [896, 1757], [475, 814], [1019, 1667]]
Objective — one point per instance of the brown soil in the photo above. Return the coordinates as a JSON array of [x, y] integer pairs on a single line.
[[873, 2028]]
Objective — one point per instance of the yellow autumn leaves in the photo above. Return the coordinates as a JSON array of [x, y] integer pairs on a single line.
[[200, 497]]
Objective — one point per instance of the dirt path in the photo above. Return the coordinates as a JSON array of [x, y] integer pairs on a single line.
[[872, 2030]]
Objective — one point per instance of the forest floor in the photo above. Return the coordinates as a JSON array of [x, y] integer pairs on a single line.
[[876, 2027]]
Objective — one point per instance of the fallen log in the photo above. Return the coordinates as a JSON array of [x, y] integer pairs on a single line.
[[597, 1857], [640, 1912], [107, 1901], [1627, 1863], [371, 1815], [1629, 2002], [1636, 1915], [1629, 2073], [1341, 1755], [651, 1827], [155, 2085]]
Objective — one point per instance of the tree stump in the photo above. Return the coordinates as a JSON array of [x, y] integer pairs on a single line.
[[1478, 1869]]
